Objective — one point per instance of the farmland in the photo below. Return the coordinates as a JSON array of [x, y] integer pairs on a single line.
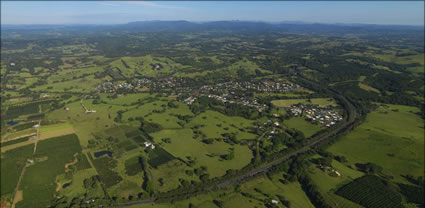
[[12, 162], [38, 183], [226, 114], [369, 191], [289, 102], [397, 131]]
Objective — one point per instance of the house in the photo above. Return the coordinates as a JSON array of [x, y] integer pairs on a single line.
[[337, 173], [12, 64], [275, 201], [147, 144]]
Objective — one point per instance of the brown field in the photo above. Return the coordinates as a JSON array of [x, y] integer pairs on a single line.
[[18, 197]]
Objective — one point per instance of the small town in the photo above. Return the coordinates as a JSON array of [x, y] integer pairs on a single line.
[[325, 116]]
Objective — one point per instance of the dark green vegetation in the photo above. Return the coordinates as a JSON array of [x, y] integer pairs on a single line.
[[182, 110], [16, 141], [371, 191], [50, 158], [104, 166], [19, 110], [12, 163], [159, 156]]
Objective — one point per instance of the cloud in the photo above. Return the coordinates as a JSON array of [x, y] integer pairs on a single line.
[[108, 4], [152, 4]]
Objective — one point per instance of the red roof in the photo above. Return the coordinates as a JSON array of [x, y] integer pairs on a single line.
[[3, 204]]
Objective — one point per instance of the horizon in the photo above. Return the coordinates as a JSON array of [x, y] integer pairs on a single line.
[[121, 12], [203, 22]]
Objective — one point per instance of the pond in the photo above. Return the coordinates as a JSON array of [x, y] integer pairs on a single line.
[[101, 153], [11, 123]]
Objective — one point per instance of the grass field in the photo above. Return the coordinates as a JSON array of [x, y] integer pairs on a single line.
[[85, 125], [127, 99], [317, 101], [272, 187], [85, 84], [170, 173], [301, 124], [77, 185], [392, 137], [327, 184], [214, 124], [145, 65], [183, 145]]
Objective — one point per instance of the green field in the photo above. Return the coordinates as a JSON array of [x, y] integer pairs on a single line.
[[391, 137], [38, 183], [213, 124], [302, 125], [168, 110], [327, 184], [183, 145], [12, 162], [316, 101]]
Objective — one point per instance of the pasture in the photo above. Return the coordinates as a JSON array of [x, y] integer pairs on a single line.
[[291, 191], [314, 101], [84, 124], [167, 175], [213, 124], [392, 137], [54, 130], [254, 193], [302, 125], [183, 145], [328, 184]]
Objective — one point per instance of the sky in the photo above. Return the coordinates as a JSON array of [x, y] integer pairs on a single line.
[[117, 12]]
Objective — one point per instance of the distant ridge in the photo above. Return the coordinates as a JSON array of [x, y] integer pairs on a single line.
[[229, 26]]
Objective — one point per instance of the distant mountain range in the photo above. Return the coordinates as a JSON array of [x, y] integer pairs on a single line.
[[239, 26]]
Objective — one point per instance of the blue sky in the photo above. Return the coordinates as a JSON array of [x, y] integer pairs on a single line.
[[115, 12]]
